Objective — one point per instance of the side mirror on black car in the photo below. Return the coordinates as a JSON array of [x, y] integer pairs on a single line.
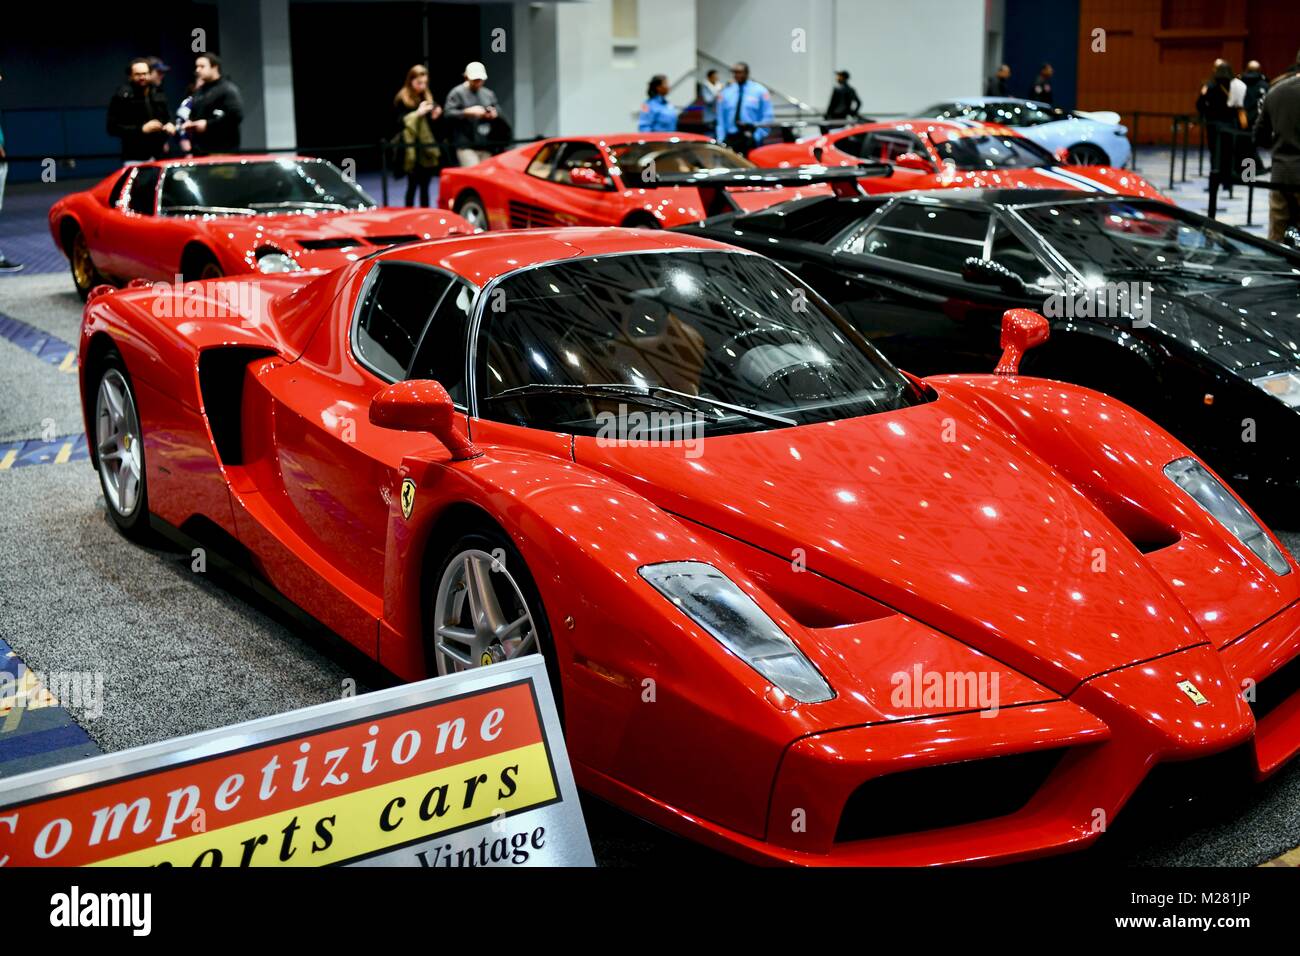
[[1291, 237], [987, 272]]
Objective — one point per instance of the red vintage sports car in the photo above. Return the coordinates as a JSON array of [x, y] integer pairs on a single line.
[[602, 181], [225, 215], [796, 604], [951, 154]]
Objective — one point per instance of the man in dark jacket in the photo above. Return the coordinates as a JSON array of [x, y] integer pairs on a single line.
[[999, 83], [1278, 128], [844, 98], [138, 115], [1256, 86], [1042, 88], [218, 109]]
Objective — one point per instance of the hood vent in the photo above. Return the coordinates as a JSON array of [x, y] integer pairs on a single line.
[[342, 242], [396, 240]]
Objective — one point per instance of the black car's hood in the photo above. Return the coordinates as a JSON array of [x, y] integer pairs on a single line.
[[1251, 328]]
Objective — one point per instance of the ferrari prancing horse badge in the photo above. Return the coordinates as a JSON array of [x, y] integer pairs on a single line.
[[408, 496]]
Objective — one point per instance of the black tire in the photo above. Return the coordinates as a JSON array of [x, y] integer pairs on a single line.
[[486, 537], [200, 264], [469, 206], [131, 517], [1086, 154], [84, 274]]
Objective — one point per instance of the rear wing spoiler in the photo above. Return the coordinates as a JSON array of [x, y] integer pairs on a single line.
[[713, 184]]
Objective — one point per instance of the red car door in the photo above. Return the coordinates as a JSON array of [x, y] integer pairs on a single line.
[[121, 245], [579, 190], [325, 479]]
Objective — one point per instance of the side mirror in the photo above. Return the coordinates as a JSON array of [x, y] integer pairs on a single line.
[[817, 154], [1291, 237], [914, 161], [987, 272], [422, 405], [586, 176], [1062, 155], [1022, 330]]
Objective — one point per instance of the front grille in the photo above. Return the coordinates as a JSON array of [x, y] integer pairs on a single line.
[[341, 242], [1276, 688], [948, 795], [525, 215]]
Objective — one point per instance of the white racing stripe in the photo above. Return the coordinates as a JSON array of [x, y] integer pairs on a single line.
[[1078, 179]]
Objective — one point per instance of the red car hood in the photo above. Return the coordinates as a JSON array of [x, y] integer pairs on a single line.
[[1082, 178], [333, 239], [977, 537]]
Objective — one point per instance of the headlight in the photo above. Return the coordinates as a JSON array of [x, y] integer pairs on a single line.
[[276, 262], [714, 602], [1282, 385], [1191, 476]]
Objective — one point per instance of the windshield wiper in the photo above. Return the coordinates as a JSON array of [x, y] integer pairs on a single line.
[[298, 204], [212, 210], [1173, 269], [655, 394]]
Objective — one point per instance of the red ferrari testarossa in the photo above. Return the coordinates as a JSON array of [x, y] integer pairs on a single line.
[[796, 603], [226, 215]]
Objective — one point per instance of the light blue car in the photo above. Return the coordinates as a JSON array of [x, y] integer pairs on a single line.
[[1089, 139]]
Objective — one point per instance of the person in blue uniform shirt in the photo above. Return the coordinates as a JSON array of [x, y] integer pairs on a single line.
[[744, 111], [657, 114]]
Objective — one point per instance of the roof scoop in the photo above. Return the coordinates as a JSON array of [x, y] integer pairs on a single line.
[[1022, 330]]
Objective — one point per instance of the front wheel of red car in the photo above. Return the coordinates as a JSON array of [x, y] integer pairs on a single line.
[[484, 607], [119, 451], [470, 208]]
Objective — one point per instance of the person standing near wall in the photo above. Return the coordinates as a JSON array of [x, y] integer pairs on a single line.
[[217, 111], [472, 109], [999, 83], [6, 265], [657, 114], [844, 98], [744, 111], [138, 115], [1256, 86], [1042, 88], [1278, 128], [414, 110]]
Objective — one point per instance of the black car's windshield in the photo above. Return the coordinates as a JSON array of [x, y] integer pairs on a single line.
[[665, 156], [1108, 239], [727, 338], [260, 186], [988, 151]]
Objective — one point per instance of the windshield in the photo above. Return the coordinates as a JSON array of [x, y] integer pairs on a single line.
[[260, 186], [727, 336], [668, 157], [986, 151], [1140, 235]]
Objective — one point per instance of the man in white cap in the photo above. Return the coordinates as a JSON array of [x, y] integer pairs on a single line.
[[472, 108]]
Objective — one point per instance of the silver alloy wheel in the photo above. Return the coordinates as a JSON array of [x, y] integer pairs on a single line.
[[480, 615], [1085, 154], [117, 437], [472, 211]]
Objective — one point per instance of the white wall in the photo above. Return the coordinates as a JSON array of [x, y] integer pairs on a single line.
[[902, 54], [579, 84]]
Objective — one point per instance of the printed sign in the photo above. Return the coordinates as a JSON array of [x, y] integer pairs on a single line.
[[464, 770]]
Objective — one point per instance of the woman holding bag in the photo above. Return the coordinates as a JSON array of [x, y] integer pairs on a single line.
[[416, 153]]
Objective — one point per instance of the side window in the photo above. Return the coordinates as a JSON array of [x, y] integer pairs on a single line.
[[442, 354], [582, 165], [144, 188], [855, 145], [936, 237], [543, 163], [392, 315], [1009, 251], [887, 147], [115, 196]]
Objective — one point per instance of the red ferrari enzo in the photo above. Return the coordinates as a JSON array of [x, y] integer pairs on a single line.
[[601, 181], [796, 604], [951, 154], [223, 215]]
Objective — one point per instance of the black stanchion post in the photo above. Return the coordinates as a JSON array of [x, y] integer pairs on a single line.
[[1200, 149], [1213, 208], [1187, 142], [383, 173], [1133, 156], [1173, 148], [1250, 202]]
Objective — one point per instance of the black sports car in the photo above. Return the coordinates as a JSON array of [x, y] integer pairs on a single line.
[[1193, 322]]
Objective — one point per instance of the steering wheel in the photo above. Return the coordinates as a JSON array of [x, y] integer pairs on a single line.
[[767, 356]]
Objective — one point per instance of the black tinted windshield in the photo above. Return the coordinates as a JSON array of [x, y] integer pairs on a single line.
[[1100, 238], [683, 157], [260, 186], [986, 151], [709, 329]]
